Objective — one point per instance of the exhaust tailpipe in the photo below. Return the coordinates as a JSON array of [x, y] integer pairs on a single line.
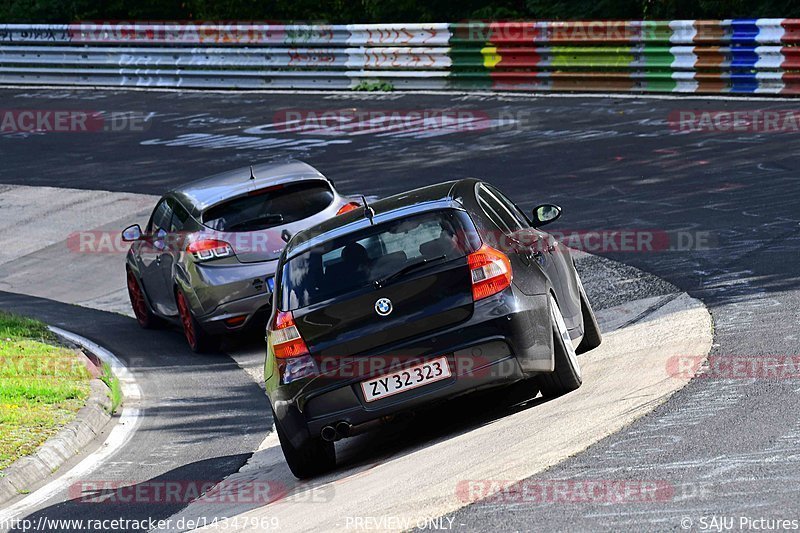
[[328, 434], [343, 429]]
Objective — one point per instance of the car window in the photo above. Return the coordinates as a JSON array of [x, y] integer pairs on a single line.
[[270, 207], [412, 242], [353, 261], [510, 206], [500, 210], [180, 217], [160, 219]]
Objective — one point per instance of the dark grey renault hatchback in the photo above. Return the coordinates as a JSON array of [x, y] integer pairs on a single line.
[[207, 256], [418, 298]]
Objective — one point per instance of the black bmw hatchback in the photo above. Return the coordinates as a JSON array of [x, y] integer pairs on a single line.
[[418, 298]]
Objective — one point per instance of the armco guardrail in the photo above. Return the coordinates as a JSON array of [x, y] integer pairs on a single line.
[[685, 56]]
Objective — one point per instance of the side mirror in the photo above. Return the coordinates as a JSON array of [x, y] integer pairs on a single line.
[[545, 214], [132, 233]]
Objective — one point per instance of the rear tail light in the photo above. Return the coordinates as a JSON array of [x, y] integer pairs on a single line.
[[285, 338], [348, 207], [490, 270], [205, 249]]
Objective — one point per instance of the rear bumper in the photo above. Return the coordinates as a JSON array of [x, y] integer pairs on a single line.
[[507, 339], [221, 292], [256, 309], [347, 404]]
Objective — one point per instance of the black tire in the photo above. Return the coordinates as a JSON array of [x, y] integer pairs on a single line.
[[567, 376], [592, 337], [313, 458]]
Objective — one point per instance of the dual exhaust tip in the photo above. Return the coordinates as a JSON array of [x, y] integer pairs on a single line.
[[335, 432], [344, 429]]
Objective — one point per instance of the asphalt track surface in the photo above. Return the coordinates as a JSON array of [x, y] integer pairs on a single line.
[[727, 446]]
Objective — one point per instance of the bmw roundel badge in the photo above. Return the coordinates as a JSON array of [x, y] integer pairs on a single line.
[[383, 306]]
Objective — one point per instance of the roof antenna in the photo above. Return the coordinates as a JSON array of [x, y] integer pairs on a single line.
[[368, 211], [252, 176]]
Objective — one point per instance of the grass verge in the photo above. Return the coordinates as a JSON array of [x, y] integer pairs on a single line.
[[112, 382], [42, 386]]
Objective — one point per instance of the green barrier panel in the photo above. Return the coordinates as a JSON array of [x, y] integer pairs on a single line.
[[473, 57]]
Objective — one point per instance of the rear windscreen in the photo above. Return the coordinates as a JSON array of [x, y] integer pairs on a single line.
[[270, 207], [359, 259]]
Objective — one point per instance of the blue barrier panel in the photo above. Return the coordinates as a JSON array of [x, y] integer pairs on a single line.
[[745, 31], [743, 57], [743, 82]]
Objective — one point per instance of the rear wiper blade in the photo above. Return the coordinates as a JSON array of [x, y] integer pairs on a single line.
[[271, 218], [406, 269], [268, 217]]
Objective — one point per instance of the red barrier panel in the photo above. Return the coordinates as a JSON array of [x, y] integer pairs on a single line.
[[518, 57], [791, 81], [791, 28], [563, 81], [791, 58]]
